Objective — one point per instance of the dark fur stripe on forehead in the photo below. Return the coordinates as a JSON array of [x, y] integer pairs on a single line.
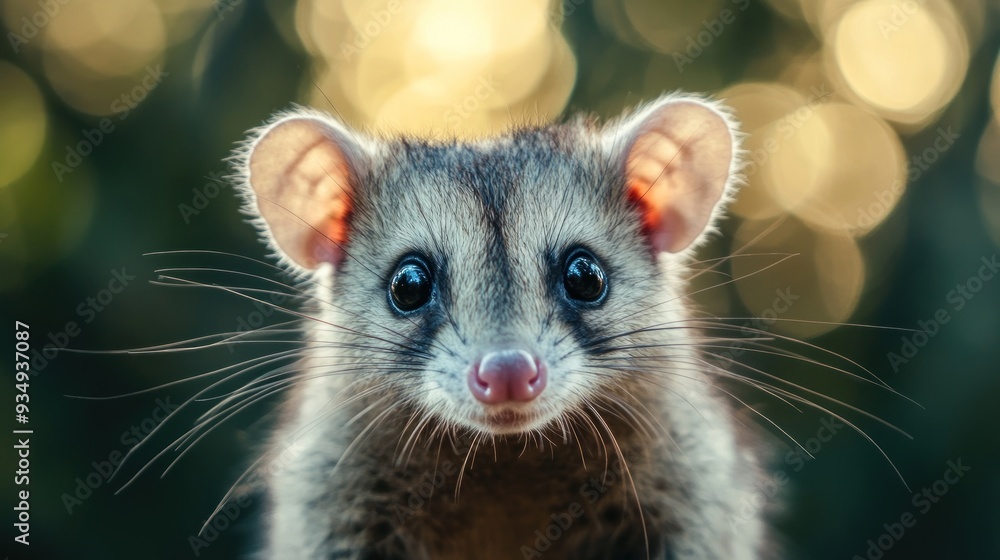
[[492, 174], [494, 186]]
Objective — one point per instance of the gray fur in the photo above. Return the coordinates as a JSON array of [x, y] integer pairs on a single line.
[[382, 406]]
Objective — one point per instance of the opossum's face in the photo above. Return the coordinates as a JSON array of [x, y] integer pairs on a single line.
[[504, 286]]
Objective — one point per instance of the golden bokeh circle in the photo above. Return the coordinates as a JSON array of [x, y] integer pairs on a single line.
[[99, 50], [905, 63], [988, 167], [759, 106], [995, 91], [22, 112], [838, 168], [811, 292], [323, 29], [441, 68]]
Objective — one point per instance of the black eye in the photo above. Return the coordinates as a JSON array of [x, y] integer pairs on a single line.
[[584, 278], [411, 286]]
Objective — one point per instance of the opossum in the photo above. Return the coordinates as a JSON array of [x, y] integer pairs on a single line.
[[501, 359]]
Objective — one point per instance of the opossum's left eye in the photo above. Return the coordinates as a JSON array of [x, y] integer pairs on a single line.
[[584, 279], [411, 285]]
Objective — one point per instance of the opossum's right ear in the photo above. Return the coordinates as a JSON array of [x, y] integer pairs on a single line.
[[300, 174]]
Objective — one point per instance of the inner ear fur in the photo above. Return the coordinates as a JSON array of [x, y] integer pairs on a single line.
[[301, 171], [678, 165]]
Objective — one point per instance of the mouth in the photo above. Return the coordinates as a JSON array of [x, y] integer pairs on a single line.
[[507, 421]]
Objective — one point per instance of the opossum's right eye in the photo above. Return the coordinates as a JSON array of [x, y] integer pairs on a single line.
[[411, 286]]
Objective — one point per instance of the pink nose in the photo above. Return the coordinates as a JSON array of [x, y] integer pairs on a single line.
[[506, 376]]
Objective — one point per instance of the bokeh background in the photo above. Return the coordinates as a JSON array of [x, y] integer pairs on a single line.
[[872, 198]]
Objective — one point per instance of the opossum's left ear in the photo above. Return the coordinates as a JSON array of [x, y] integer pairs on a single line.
[[678, 160]]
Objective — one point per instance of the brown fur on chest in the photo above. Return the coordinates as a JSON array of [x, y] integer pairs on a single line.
[[514, 504]]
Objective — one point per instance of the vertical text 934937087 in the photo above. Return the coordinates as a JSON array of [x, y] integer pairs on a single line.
[[21, 433]]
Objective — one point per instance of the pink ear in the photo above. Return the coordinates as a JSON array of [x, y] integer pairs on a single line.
[[301, 179], [678, 165]]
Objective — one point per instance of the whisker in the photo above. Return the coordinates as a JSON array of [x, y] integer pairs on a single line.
[[628, 473]]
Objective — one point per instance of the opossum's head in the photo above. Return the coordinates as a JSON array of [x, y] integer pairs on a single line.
[[503, 285]]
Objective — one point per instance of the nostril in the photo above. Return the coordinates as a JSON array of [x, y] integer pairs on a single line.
[[475, 378], [507, 375], [539, 373]]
